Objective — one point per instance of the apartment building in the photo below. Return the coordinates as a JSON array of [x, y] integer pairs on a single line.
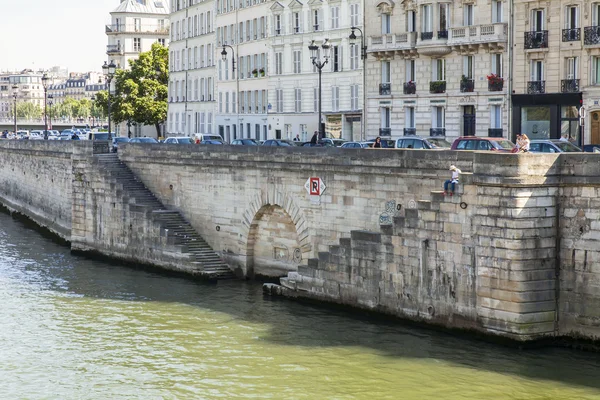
[[29, 88], [293, 83], [437, 68], [192, 68]]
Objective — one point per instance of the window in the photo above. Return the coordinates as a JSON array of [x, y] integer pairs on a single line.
[[439, 70], [316, 18], [354, 15], [137, 25], [537, 70], [335, 17], [595, 70], [427, 19], [497, 64], [468, 14], [468, 67], [210, 121], [409, 118], [497, 11], [411, 21], [297, 20], [571, 65], [161, 42], [137, 44], [386, 25], [496, 117], [354, 97], [298, 100], [354, 56], [538, 22], [410, 70], [438, 117], [336, 59], [444, 16], [315, 99], [297, 61], [385, 72], [279, 100], [278, 63], [220, 102], [571, 17], [226, 102], [385, 117], [335, 98], [595, 14], [277, 24]]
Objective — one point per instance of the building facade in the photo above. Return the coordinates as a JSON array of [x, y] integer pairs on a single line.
[[294, 86], [436, 68], [191, 68], [29, 89]]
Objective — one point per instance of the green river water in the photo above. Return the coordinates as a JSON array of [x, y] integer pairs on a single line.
[[72, 328]]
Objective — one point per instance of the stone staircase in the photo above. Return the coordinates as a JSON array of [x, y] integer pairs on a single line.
[[177, 231]]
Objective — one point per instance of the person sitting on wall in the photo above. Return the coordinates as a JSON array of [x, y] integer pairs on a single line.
[[452, 181]]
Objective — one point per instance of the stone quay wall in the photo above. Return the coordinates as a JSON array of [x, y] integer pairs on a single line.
[[36, 181]]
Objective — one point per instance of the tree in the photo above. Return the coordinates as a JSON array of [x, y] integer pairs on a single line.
[[141, 92], [26, 110]]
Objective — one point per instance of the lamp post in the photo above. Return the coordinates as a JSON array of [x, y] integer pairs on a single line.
[[237, 85], [363, 57], [109, 71], [45, 80], [50, 102], [319, 63], [15, 88]]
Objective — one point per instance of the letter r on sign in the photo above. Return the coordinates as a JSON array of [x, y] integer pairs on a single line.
[[315, 187]]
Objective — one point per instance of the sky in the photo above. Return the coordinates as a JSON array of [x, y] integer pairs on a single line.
[[40, 34]]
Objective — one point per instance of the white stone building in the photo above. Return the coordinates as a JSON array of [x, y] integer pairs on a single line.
[[242, 95], [29, 89], [437, 68], [293, 81], [191, 68]]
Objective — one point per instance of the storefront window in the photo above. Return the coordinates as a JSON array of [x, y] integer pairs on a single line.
[[569, 124], [535, 122]]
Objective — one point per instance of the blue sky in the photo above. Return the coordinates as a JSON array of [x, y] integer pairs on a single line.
[[42, 33]]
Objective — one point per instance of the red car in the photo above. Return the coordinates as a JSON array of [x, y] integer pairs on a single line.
[[484, 144]]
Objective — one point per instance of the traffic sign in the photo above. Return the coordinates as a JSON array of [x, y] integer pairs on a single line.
[[582, 112], [315, 186]]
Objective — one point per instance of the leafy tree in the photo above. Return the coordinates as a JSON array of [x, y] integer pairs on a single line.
[[26, 110], [141, 92]]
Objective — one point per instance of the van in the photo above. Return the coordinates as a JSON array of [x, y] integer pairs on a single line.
[[207, 136]]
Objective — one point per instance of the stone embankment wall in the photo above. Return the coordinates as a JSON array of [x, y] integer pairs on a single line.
[[36, 180]]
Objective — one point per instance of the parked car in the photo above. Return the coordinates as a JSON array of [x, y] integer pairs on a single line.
[[207, 136], [483, 143], [22, 135], [178, 140], [53, 135], [354, 145], [278, 142], [143, 140], [96, 136], [116, 141], [334, 142], [244, 142], [553, 146], [417, 142], [212, 142], [36, 135], [385, 143], [591, 148]]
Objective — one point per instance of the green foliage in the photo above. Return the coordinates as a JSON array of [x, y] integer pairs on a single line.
[[26, 110], [141, 92]]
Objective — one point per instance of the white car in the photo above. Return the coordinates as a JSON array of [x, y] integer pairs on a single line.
[[53, 135], [36, 135], [21, 134], [178, 140]]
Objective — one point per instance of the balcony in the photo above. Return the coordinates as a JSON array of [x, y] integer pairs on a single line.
[[536, 87], [569, 86], [536, 40], [410, 131], [112, 49], [495, 132], [437, 132], [410, 87], [442, 34], [385, 131], [426, 35], [467, 85], [490, 35], [495, 83], [400, 42], [434, 46], [149, 29], [437, 87], [571, 35], [385, 89], [591, 35]]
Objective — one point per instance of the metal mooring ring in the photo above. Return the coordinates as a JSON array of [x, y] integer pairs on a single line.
[[463, 205]]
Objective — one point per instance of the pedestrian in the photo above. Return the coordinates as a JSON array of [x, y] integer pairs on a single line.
[[564, 138], [297, 138], [377, 144], [315, 138], [525, 144], [452, 181]]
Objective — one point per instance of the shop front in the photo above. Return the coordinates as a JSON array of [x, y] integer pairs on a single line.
[[547, 116]]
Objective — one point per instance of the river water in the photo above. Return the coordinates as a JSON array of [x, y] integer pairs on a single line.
[[72, 328]]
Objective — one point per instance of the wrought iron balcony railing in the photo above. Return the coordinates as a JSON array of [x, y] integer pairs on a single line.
[[385, 131], [410, 88], [536, 40], [437, 132], [591, 35], [426, 35], [569, 86], [385, 89], [442, 34], [571, 35], [467, 85], [496, 85], [437, 87], [536, 87], [410, 131], [495, 132]]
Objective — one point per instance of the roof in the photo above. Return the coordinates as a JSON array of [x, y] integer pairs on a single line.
[[137, 7]]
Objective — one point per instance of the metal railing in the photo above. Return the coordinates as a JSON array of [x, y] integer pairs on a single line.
[[569, 86], [536, 40], [591, 35], [133, 28], [385, 89], [385, 131], [437, 132], [495, 132], [426, 35], [536, 87], [496, 85], [442, 34], [410, 87], [467, 85], [114, 49], [571, 35], [410, 131], [437, 87]]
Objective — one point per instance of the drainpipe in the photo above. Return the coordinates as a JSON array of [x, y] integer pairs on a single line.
[[511, 36]]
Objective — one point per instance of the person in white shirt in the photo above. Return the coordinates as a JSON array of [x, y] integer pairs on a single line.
[[453, 180]]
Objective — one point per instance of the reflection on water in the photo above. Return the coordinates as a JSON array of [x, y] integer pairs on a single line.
[[72, 328]]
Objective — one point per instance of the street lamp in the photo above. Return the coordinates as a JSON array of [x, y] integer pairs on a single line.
[[15, 88], [45, 80], [237, 86], [319, 64], [109, 70], [93, 99], [224, 56], [363, 57], [50, 102]]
